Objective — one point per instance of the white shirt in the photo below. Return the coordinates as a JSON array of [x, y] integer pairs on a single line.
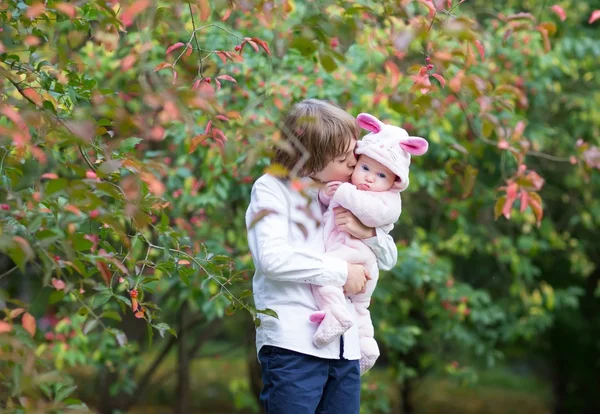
[[288, 250]]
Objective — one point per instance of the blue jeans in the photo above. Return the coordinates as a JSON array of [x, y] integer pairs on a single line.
[[295, 383]]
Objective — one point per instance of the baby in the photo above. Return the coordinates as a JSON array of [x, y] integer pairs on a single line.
[[381, 173]]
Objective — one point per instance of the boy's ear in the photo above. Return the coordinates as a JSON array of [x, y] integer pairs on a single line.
[[369, 122], [414, 145]]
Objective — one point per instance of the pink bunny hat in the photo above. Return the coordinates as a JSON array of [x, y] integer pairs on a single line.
[[391, 146]]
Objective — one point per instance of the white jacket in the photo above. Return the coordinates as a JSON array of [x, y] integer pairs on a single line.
[[288, 251]]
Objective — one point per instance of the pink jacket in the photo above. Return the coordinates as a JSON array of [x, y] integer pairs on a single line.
[[373, 209]]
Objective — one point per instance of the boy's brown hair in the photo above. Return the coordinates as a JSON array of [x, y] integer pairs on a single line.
[[314, 132]]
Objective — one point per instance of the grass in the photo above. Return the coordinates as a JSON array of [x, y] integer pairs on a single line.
[[217, 383]]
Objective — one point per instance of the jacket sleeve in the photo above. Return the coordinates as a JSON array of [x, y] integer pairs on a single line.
[[269, 223], [385, 249], [372, 209]]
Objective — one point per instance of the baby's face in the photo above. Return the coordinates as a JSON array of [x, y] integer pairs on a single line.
[[369, 175]]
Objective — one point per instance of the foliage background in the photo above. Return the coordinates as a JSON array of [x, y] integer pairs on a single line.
[[131, 133]]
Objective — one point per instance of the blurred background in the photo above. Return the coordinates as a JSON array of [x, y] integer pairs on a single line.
[[131, 133]]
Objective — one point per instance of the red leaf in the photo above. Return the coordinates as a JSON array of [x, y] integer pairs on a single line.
[[188, 50], [155, 186], [196, 84], [524, 200], [226, 15], [50, 176], [535, 202], [536, 180], [395, 72], [218, 84], [227, 78], [197, 140], [253, 44], [29, 323], [66, 9], [16, 312], [594, 16], [219, 135], [449, 4], [162, 65], [33, 95], [58, 284], [35, 10], [429, 4], [503, 144], [5, 327], [480, 49], [223, 56], [174, 77], [208, 127], [175, 47], [506, 35], [131, 12], [262, 44], [204, 9], [222, 117], [439, 78], [518, 132], [511, 196], [103, 268], [559, 11]]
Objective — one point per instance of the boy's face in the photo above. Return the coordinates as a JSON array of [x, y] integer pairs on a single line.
[[340, 168], [369, 175]]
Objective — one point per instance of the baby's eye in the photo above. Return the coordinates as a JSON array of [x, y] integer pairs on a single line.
[[381, 175], [364, 168]]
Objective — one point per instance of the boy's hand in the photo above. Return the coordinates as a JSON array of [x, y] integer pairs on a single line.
[[346, 221], [331, 188], [357, 279]]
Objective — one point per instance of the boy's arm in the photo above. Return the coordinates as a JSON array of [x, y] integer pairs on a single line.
[[271, 250], [370, 209]]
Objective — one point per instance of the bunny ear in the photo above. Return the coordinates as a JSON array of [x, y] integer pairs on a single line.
[[415, 145], [369, 122]]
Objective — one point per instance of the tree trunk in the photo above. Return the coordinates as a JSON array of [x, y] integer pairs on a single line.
[[254, 369], [182, 402], [406, 395]]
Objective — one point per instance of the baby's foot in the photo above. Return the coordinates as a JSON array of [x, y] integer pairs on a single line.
[[333, 325], [369, 351]]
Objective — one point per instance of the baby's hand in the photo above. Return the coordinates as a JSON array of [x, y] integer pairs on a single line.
[[331, 188]]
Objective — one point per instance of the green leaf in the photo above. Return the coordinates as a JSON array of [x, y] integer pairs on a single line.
[[109, 167], [128, 145], [469, 180], [498, 207], [101, 298], [89, 326], [305, 46], [327, 61], [56, 296], [111, 315], [162, 328], [54, 186], [64, 392], [80, 243], [268, 312]]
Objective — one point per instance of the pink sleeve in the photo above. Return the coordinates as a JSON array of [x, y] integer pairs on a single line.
[[324, 198], [372, 209]]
